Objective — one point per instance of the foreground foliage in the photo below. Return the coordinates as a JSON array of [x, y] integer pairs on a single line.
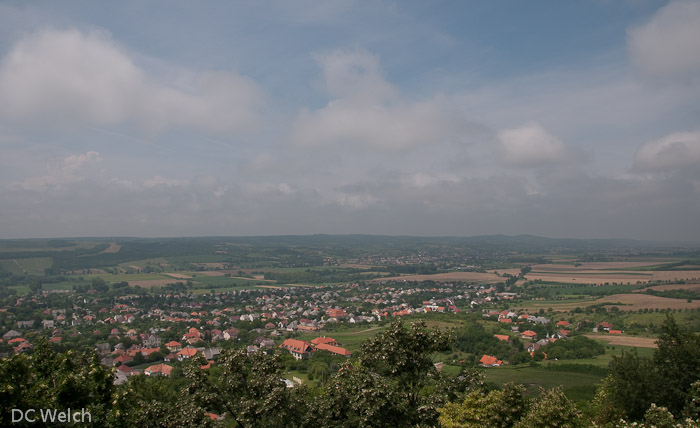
[[392, 384]]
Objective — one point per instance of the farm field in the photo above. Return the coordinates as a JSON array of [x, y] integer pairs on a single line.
[[579, 387], [623, 340], [449, 276], [113, 248], [31, 266], [609, 272], [695, 286], [624, 302], [350, 339]]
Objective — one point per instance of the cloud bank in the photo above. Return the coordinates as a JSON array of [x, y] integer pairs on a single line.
[[68, 78], [367, 111], [669, 44]]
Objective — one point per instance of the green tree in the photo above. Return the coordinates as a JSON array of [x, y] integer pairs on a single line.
[[497, 409], [50, 380], [677, 364], [552, 410], [404, 356], [249, 390]]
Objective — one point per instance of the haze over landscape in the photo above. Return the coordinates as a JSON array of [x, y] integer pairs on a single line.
[[559, 119]]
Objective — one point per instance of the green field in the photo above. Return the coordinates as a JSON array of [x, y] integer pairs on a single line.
[[579, 387], [221, 280], [350, 339], [30, 266], [109, 278]]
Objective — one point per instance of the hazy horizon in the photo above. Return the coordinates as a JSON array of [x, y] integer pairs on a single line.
[[179, 119]]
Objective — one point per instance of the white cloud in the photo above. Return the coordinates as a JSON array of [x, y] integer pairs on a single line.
[[674, 151], [366, 110], [69, 78], [532, 146], [67, 171], [669, 44]]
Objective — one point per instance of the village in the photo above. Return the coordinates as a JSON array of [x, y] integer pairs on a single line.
[[151, 333]]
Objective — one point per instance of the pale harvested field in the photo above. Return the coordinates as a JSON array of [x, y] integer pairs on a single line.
[[622, 340], [666, 287], [450, 276], [152, 282], [596, 266], [628, 302], [633, 302], [594, 278], [136, 268], [177, 275], [676, 274], [113, 248]]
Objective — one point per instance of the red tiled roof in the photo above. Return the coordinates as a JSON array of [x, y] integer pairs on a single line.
[[301, 346], [125, 369], [502, 337], [488, 360], [334, 349], [159, 368], [189, 352], [324, 339]]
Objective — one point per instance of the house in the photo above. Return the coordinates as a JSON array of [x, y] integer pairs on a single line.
[[325, 340], [615, 331], [502, 337], [103, 348], [25, 324], [529, 334], [267, 343], [122, 359], [125, 369], [563, 324], [146, 352], [173, 346], [158, 370], [489, 361], [22, 347], [11, 334], [298, 348], [336, 313], [231, 333], [210, 353], [605, 326], [47, 323], [186, 353], [192, 336], [337, 350], [150, 340]]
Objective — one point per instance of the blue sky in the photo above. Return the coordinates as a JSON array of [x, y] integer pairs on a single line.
[[576, 119]]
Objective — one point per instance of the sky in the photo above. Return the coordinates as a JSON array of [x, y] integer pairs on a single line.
[[441, 118]]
